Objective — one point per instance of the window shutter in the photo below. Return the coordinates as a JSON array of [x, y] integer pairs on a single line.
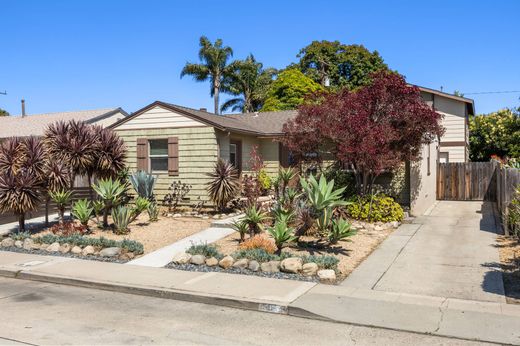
[[173, 156], [142, 154]]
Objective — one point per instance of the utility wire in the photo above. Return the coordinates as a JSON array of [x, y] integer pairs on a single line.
[[494, 92]]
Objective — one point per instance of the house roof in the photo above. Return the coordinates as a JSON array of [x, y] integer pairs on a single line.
[[469, 102], [35, 124]]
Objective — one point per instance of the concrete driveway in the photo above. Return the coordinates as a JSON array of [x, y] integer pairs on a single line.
[[448, 252]]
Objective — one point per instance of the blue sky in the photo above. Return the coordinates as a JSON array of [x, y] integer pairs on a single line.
[[71, 55]]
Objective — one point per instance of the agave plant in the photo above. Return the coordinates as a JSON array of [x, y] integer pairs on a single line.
[[143, 184], [153, 211], [82, 210], [282, 234], [340, 229], [110, 192], [286, 175], [62, 199], [255, 218], [241, 227], [141, 204], [321, 195], [122, 216], [224, 184]]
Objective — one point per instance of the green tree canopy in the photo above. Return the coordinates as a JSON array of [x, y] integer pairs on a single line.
[[343, 65], [288, 91], [3, 113], [496, 133], [250, 82], [213, 67]]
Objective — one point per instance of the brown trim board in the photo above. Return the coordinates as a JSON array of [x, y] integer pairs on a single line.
[[453, 144]]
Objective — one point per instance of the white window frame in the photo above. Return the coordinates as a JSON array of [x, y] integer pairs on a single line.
[[150, 156]]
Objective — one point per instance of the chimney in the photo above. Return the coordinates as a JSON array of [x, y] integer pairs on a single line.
[[204, 109], [23, 107]]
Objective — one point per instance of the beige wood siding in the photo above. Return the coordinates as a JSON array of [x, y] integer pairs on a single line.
[[270, 151], [455, 154], [157, 118], [197, 156], [110, 120]]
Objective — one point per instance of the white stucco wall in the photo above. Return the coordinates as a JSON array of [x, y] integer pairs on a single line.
[[423, 185]]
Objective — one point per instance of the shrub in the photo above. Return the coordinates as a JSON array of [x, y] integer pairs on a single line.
[[68, 228], [264, 181], [342, 179], [82, 210], [375, 208], [323, 262], [513, 220], [20, 235], [122, 216], [340, 229], [207, 250], [79, 240], [224, 184], [177, 191], [259, 255], [258, 242], [281, 234]]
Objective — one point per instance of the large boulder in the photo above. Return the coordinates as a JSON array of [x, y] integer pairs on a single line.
[[65, 248], [110, 252], [291, 265], [181, 258], [7, 242], [211, 262], [270, 267], [327, 275], [309, 269], [253, 266], [54, 247], [241, 263], [18, 244], [198, 259], [28, 244], [88, 250], [226, 262], [76, 250]]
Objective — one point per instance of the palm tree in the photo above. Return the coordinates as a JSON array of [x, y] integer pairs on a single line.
[[213, 67], [250, 82]]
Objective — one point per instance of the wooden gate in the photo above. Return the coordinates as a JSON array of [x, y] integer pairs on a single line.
[[467, 181]]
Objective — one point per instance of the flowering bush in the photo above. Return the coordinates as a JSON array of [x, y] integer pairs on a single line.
[[375, 208]]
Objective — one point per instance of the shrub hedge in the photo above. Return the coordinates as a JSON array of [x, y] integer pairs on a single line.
[[375, 208]]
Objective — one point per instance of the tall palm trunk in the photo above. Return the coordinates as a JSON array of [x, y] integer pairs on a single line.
[[216, 98]]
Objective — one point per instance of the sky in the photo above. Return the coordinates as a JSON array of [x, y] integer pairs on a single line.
[[75, 55]]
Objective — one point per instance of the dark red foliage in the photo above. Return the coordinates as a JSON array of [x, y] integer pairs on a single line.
[[371, 131], [68, 228]]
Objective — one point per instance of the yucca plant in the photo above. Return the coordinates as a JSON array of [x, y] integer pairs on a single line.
[[143, 183], [82, 210], [122, 216], [241, 227], [110, 192], [340, 229], [62, 199], [224, 185], [110, 153], [255, 218], [282, 234]]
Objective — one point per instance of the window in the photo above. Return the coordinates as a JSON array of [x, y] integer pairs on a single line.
[[158, 155], [233, 154]]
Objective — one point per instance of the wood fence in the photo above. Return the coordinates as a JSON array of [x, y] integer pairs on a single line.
[[479, 181]]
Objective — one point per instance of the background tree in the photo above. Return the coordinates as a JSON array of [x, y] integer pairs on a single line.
[[496, 133], [3, 113], [371, 131], [250, 82], [213, 67], [342, 65], [288, 91]]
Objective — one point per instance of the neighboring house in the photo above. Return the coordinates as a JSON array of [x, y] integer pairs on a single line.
[[183, 144], [454, 144], [35, 124]]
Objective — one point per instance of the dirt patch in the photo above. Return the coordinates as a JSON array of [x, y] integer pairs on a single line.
[[350, 252], [509, 250], [153, 235]]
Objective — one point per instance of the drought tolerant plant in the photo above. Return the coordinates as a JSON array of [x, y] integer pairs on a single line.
[[177, 192], [281, 214], [285, 176], [153, 212], [143, 183], [110, 192], [62, 199], [205, 249], [324, 220], [255, 218], [513, 218], [122, 216], [82, 210], [241, 227], [323, 262], [141, 204], [375, 208], [68, 228], [281, 234], [264, 181], [321, 194], [258, 242], [224, 184], [79, 240], [340, 230]]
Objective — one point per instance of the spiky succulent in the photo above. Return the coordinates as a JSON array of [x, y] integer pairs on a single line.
[[224, 184], [110, 152]]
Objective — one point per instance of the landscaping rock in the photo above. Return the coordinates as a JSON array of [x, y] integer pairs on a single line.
[[253, 266], [270, 267], [198, 259], [226, 262], [176, 215], [28, 244], [378, 228], [88, 250], [327, 275], [76, 250], [291, 265], [7, 242], [110, 252], [18, 243], [181, 258], [211, 262], [65, 248], [54, 247], [395, 224], [309, 269], [241, 263], [130, 255]]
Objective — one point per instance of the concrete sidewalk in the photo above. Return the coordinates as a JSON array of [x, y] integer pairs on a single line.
[[484, 321], [448, 253]]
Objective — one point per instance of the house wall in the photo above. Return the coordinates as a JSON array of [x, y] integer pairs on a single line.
[[423, 183], [197, 148]]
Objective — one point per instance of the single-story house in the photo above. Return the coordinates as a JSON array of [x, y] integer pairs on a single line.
[[35, 124], [183, 144]]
